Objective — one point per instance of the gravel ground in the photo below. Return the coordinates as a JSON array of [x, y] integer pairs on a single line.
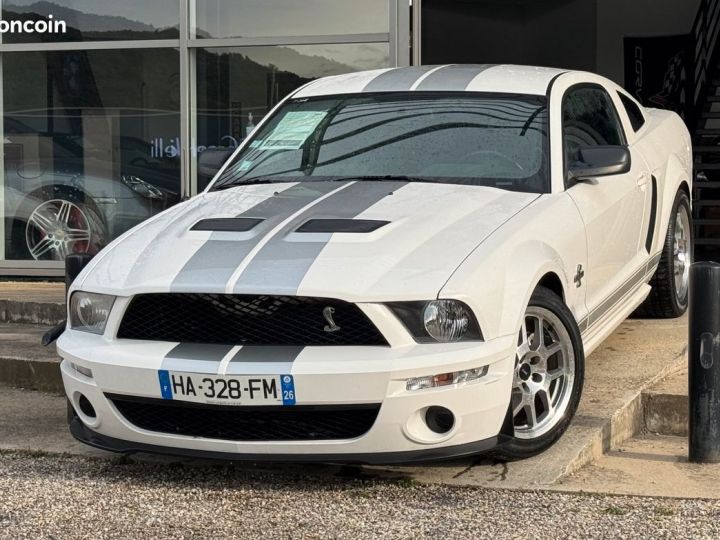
[[45, 496]]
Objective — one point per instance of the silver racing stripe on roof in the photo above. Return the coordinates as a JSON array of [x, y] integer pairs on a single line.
[[453, 78], [213, 264], [282, 265], [397, 80]]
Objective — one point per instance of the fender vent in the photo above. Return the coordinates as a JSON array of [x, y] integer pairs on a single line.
[[236, 224], [341, 226]]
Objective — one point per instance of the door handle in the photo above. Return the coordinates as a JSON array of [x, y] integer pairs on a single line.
[[643, 179]]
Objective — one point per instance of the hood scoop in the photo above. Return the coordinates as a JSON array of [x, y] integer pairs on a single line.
[[341, 226], [236, 224]]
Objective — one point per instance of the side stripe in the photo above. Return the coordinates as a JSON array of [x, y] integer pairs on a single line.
[[635, 280]]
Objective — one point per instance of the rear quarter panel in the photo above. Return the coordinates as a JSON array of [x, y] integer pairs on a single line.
[[666, 146]]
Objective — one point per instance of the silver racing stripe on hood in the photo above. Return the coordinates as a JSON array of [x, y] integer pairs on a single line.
[[282, 263], [218, 258]]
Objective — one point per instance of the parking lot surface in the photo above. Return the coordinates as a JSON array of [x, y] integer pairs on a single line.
[[55, 496]]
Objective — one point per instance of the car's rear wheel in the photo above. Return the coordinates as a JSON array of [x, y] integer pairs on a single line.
[[670, 284], [548, 376]]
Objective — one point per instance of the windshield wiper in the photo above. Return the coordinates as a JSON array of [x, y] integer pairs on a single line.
[[250, 182], [274, 180], [382, 178]]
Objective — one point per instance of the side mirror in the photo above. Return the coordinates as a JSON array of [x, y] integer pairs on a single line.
[[595, 161]]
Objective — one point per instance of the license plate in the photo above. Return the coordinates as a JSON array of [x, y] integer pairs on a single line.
[[227, 390]]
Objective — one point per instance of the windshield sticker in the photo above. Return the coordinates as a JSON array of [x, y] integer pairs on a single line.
[[293, 130]]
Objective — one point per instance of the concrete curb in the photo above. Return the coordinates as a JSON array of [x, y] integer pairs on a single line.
[[22, 312], [31, 374], [627, 422], [666, 414]]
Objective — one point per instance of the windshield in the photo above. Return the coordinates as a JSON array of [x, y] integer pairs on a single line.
[[465, 138]]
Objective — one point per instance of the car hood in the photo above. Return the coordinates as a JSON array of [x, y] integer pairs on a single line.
[[359, 241]]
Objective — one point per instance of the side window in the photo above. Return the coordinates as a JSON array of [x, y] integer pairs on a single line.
[[589, 119], [637, 119]]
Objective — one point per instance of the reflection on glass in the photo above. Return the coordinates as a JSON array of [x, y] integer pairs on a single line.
[[91, 147], [253, 18], [93, 20], [237, 86], [477, 140]]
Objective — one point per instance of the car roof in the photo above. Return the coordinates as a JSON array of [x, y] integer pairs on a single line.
[[448, 78]]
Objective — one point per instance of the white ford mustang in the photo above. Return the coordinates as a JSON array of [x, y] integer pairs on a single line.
[[397, 265]]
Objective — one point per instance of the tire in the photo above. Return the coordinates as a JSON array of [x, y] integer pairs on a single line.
[[82, 215], [562, 335], [668, 298]]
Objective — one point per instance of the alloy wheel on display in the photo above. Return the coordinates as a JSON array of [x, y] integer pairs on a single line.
[[57, 228]]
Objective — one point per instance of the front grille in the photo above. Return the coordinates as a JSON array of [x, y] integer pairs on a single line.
[[295, 423], [230, 319]]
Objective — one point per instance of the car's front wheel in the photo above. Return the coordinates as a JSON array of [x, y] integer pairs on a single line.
[[548, 376]]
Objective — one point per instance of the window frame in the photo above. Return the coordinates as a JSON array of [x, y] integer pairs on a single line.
[[627, 102]]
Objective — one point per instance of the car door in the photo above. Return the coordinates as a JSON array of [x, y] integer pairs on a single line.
[[611, 207]]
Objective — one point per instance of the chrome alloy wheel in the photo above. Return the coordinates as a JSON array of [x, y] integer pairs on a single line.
[[682, 254], [544, 374], [57, 228]]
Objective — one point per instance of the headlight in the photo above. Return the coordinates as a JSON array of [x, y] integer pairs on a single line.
[[443, 321], [141, 187], [89, 312], [446, 320]]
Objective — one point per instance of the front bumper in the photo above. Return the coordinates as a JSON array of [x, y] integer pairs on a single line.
[[86, 435], [323, 376]]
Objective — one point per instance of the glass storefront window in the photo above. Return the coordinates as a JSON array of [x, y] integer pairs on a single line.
[[253, 18], [236, 87], [90, 146], [94, 20]]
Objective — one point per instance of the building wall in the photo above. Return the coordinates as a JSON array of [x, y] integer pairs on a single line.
[[557, 33], [617, 19]]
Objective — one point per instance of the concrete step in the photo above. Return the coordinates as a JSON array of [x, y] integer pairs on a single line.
[[32, 302], [651, 466], [24, 362], [665, 406]]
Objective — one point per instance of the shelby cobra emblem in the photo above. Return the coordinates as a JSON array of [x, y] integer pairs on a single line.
[[480, 230], [328, 314]]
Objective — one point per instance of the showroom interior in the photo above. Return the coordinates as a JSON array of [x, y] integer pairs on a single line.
[[138, 103]]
